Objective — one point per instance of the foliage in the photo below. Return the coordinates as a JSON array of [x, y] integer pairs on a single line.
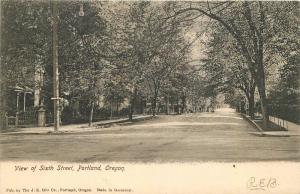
[[287, 90], [126, 54]]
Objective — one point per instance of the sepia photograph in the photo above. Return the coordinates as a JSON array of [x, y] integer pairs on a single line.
[[120, 90]]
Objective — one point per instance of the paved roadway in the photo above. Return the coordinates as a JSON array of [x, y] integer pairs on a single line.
[[219, 136]]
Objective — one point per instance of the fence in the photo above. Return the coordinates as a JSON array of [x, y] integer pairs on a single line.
[[285, 111], [23, 119], [28, 118]]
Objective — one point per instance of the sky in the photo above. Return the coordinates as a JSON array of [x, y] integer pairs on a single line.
[[198, 49]]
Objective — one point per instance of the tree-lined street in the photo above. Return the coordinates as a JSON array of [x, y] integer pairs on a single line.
[[220, 136], [68, 65], [87, 61]]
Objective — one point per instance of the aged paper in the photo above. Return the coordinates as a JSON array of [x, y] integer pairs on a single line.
[[177, 178], [149, 97]]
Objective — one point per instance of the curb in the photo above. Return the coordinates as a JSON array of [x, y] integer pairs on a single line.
[[261, 132], [94, 126], [108, 124], [252, 123], [266, 134]]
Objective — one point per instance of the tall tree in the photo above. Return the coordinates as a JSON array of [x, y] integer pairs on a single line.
[[83, 54], [250, 25], [226, 68]]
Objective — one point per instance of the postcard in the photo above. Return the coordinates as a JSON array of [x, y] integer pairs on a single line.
[[149, 97]]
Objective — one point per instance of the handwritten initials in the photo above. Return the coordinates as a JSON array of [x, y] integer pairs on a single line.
[[262, 183]]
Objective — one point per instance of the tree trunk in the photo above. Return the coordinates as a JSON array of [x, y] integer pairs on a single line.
[[117, 107], [260, 80], [154, 101], [111, 109], [251, 104], [91, 114], [144, 106], [154, 107], [243, 110], [178, 107], [263, 104], [141, 105], [173, 107], [183, 99], [132, 103], [130, 112], [167, 105]]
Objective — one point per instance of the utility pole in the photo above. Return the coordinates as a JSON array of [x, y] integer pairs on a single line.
[[55, 66]]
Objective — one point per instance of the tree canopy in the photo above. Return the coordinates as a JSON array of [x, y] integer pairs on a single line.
[[132, 54]]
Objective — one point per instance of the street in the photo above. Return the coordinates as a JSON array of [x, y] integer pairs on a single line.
[[219, 136]]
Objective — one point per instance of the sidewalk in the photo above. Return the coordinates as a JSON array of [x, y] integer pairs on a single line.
[[293, 129], [74, 128]]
